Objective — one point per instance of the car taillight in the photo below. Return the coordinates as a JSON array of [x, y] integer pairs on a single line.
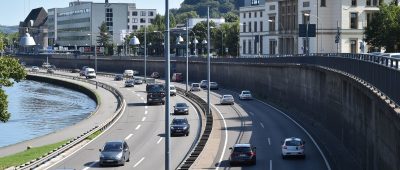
[[251, 154], [301, 146], [284, 146]]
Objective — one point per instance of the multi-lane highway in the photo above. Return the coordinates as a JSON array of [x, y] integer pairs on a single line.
[[250, 121], [142, 127]]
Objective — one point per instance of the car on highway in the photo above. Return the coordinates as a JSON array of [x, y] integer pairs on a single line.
[[180, 126], [46, 65], [128, 73], [82, 72], [242, 154], [75, 70], [195, 87], [35, 69], [50, 71], [90, 73], [172, 90], [114, 153], [227, 99], [155, 75], [129, 83], [203, 84], [118, 77], [181, 108], [294, 147], [245, 95], [138, 80], [155, 93], [214, 86], [177, 77]]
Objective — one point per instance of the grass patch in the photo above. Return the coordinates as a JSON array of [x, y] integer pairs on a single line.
[[28, 155], [95, 134]]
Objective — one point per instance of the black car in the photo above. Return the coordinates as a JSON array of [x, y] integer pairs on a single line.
[[242, 154], [119, 77], [75, 70], [180, 126], [155, 94], [181, 108], [114, 153]]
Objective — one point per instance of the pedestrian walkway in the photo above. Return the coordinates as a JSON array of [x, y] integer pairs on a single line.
[[108, 105]]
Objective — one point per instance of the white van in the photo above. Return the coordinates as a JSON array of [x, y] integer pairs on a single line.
[[90, 73], [128, 73]]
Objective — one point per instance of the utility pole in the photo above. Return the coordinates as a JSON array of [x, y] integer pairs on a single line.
[[167, 81]]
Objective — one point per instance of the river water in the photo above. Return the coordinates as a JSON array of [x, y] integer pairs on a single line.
[[39, 108]]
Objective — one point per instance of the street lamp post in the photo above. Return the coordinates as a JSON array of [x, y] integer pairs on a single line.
[[145, 54], [208, 61], [167, 81], [195, 41], [187, 55], [309, 15]]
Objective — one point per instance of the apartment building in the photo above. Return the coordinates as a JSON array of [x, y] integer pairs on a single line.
[[281, 21]]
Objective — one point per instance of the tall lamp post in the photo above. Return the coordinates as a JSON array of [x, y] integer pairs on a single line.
[[187, 55], [208, 61], [309, 15], [167, 81]]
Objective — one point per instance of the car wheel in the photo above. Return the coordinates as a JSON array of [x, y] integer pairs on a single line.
[[187, 134]]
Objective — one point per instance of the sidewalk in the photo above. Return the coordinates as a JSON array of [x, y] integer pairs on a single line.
[[106, 109]]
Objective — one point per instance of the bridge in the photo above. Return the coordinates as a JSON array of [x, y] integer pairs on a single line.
[[344, 105]]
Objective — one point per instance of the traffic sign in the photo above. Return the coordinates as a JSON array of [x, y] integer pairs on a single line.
[[303, 30]]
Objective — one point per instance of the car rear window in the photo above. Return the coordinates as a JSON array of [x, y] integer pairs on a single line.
[[242, 149], [181, 105], [113, 146], [246, 92], [195, 85], [293, 143], [228, 97]]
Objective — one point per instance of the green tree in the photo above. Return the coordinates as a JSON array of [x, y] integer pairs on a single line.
[[384, 24], [231, 17], [10, 70], [182, 17], [104, 37]]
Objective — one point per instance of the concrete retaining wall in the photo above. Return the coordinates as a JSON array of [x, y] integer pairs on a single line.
[[350, 112]]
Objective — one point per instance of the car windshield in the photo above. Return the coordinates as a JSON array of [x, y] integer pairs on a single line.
[[213, 83], [293, 143], [113, 146], [179, 122], [129, 81], [195, 85], [181, 105], [156, 88], [228, 97], [246, 92], [242, 149]]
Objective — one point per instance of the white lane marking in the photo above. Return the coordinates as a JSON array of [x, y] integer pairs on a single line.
[[144, 118], [262, 125], [129, 136], [137, 127], [159, 140], [142, 98], [305, 131], [92, 164], [270, 164], [90, 140], [145, 112], [226, 138], [146, 107], [269, 141], [140, 161]]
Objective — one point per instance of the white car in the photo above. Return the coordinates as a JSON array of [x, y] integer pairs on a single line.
[[138, 80], [245, 94], [227, 99], [35, 69], [46, 65], [293, 147], [90, 73], [172, 90], [203, 83], [195, 87], [128, 73]]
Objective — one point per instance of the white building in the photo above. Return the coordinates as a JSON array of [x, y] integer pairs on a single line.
[[281, 21], [193, 21], [78, 25]]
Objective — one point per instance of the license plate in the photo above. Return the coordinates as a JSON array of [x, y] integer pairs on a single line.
[[178, 130], [109, 160], [242, 155]]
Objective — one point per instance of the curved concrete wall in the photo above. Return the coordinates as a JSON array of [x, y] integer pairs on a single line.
[[336, 109]]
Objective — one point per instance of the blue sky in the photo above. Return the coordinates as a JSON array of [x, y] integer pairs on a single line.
[[14, 11]]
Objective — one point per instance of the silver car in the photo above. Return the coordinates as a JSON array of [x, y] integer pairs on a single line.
[[129, 83], [227, 99], [138, 80], [214, 86], [114, 153], [172, 90], [245, 94], [195, 87]]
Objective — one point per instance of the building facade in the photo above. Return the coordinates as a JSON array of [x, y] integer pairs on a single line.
[[35, 24], [78, 25], [281, 19]]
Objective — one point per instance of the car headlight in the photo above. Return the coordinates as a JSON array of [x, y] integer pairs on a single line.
[[184, 128], [101, 156], [172, 127], [119, 156], [186, 109]]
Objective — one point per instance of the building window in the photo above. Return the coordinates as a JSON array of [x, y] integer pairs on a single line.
[[134, 20], [255, 26], [353, 2], [353, 20], [271, 24], [128, 27], [249, 26], [353, 46], [244, 46], [261, 26], [306, 4], [249, 14], [244, 27], [142, 13], [272, 47], [244, 15], [142, 20], [134, 13], [368, 3], [260, 14], [272, 7], [151, 20], [255, 14], [249, 47], [151, 13], [128, 20], [134, 27], [255, 2], [323, 3]]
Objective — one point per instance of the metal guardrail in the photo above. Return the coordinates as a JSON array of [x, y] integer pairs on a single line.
[[73, 142]]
